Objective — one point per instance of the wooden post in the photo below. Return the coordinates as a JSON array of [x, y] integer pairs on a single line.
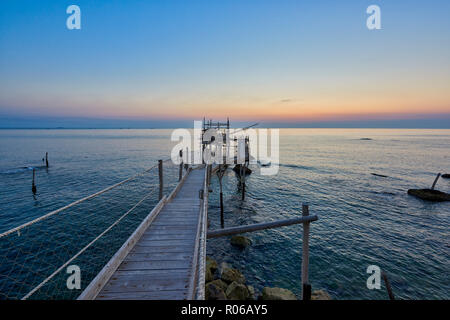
[[435, 181], [161, 181], [220, 174], [46, 159], [388, 285], [242, 171], [180, 175], [33, 186], [306, 288]]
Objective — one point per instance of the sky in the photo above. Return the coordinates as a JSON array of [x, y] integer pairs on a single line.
[[283, 63]]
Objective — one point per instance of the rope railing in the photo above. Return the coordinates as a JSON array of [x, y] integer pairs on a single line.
[[85, 233], [17, 229], [84, 249]]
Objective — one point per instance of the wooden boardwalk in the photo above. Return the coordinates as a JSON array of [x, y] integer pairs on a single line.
[[160, 263]]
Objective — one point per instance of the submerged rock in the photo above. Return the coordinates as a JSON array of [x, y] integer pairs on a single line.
[[211, 264], [237, 291], [214, 291], [429, 195], [230, 275], [240, 241], [251, 293], [277, 294], [320, 295]]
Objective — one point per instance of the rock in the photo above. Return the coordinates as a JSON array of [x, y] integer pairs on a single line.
[[240, 241], [429, 195], [277, 294], [208, 275], [379, 175], [211, 264], [320, 295], [237, 291], [222, 267], [213, 291], [230, 275], [446, 176], [219, 283], [251, 293]]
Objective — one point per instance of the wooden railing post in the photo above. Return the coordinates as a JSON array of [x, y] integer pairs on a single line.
[[306, 287], [161, 181]]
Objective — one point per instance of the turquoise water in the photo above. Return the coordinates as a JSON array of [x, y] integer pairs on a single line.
[[363, 219]]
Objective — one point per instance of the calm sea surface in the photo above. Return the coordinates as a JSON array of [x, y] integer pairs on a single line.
[[363, 219]]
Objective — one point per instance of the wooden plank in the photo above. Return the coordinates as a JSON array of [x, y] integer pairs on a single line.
[[144, 285], [153, 265], [156, 295], [145, 248], [165, 236], [155, 256], [155, 274]]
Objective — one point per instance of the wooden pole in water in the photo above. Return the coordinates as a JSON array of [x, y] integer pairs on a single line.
[[306, 287], [161, 182], [435, 181], [46, 159], [388, 285], [180, 175], [220, 175], [33, 186], [243, 181]]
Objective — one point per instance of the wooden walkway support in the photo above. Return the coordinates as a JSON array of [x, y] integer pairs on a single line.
[[161, 259]]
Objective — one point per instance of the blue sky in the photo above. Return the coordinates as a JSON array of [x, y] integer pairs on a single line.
[[140, 63]]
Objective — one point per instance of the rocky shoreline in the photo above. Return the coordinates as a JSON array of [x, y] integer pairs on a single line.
[[226, 283]]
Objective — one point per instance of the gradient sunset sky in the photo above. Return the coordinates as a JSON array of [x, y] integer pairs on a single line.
[[291, 62]]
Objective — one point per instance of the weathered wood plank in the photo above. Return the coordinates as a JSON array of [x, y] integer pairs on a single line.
[[149, 295], [155, 256], [144, 285]]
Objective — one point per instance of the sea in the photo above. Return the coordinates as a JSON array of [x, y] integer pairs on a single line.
[[354, 180]]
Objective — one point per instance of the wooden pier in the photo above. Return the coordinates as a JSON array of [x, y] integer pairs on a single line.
[[165, 258], [161, 259]]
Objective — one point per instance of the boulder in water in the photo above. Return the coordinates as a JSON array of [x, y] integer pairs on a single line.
[[213, 291], [237, 291], [209, 276], [220, 284], [240, 241], [429, 195], [211, 264], [277, 294], [320, 295], [230, 275]]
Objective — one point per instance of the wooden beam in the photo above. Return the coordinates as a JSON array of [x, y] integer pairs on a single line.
[[306, 288], [259, 226]]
